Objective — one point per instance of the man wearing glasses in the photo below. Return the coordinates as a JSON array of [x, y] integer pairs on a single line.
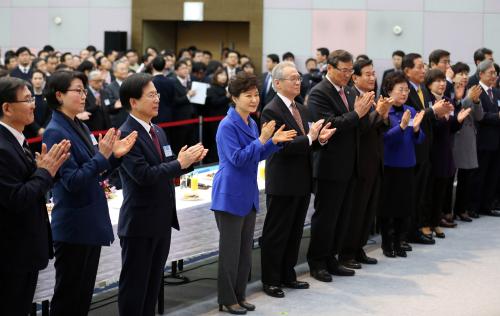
[[335, 164], [26, 240]]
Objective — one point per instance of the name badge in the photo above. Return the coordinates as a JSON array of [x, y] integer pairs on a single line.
[[94, 141], [167, 150], [107, 102]]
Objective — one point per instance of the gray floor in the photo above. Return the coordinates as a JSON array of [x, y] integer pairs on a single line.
[[457, 276]]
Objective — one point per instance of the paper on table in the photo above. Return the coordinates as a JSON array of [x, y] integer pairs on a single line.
[[201, 92]]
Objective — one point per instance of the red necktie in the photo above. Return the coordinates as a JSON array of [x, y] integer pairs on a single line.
[[344, 98], [296, 116], [154, 137]]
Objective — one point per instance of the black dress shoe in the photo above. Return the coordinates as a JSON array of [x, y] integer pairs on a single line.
[[473, 214], [274, 291], [405, 246], [351, 264], [340, 270], [321, 275], [447, 224], [464, 217], [390, 253], [420, 238], [490, 213], [232, 310], [363, 258], [400, 253], [296, 285], [247, 306]]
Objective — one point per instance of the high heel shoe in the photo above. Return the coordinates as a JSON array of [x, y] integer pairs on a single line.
[[232, 310], [247, 306], [439, 233]]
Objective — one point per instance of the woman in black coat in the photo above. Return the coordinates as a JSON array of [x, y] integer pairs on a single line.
[[217, 104]]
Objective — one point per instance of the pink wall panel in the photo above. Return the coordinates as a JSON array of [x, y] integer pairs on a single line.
[[339, 29]]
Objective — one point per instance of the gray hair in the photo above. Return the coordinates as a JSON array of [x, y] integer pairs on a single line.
[[95, 74], [485, 65], [116, 63], [277, 73]]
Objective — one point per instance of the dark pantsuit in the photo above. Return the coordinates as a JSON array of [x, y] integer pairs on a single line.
[[329, 222], [440, 187], [392, 230], [76, 270], [364, 208], [465, 184], [487, 177], [423, 195], [235, 255], [281, 237], [143, 263], [448, 199], [16, 292]]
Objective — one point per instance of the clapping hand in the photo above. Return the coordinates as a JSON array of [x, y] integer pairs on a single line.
[[53, 160], [362, 104], [189, 155], [442, 108], [459, 90], [463, 114], [122, 146], [474, 93], [107, 142], [84, 116], [314, 129], [405, 120], [417, 120], [326, 133], [267, 131], [383, 106], [283, 136]]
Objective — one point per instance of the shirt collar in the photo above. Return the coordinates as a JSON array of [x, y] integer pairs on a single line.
[[286, 100], [119, 82], [485, 87], [336, 87], [144, 124], [414, 85], [19, 136], [361, 92]]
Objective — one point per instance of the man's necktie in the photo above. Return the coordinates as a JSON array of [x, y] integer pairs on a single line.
[[298, 119], [421, 97], [490, 94], [97, 96], [28, 153], [344, 98], [156, 142]]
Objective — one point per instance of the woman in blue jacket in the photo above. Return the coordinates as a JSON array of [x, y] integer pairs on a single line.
[[235, 195], [399, 162], [80, 217]]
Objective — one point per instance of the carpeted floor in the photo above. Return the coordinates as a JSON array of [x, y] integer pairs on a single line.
[[460, 275]]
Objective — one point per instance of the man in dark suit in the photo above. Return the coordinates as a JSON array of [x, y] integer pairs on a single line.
[[488, 141], [371, 166], [335, 164], [397, 59], [165, 88], [440, 59], [232, 60], [288, 183], [148, 211], [95, 103], [479, 55], [23, 69], [183, 109], [116, 112], [419, 98], [24, 181], [267, 92]]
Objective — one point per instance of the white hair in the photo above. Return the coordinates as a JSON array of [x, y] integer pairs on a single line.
[[277, 73]]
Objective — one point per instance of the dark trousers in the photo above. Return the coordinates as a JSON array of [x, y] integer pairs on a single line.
[[76, 270], [332, 203], [143, 263], [440, 193], [281, 237], [364, 208], [17, 289], [423, 196], [448, 199], [486, 180], [392, 230], [235, 255], [465, 185]]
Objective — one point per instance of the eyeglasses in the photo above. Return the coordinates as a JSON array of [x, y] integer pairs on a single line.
[[82, 92], [153, 95], [29, 100], [345, 71], [294, 79], [403, 90]]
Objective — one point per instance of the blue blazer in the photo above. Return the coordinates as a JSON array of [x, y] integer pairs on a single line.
[[80, 214], [235, 184], [399, 145], [148, 208]]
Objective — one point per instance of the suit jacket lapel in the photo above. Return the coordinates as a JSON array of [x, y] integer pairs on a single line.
[[351, 97], [238, 121], [336, 96], [15, 144], [146, 138], [84, 139], [287, 115]]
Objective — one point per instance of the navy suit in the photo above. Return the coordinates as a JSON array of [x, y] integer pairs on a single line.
[[25, 238], [146, 217], [16, 72], [80, 218], [165, 88]]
